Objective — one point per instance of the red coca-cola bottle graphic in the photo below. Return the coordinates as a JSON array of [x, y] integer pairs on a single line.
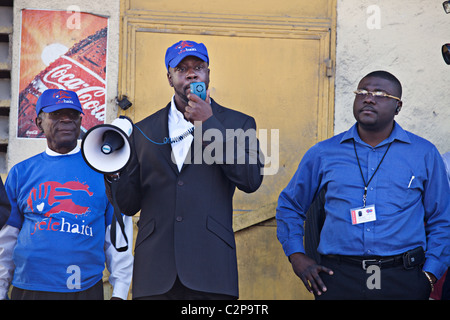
[[83, 70]]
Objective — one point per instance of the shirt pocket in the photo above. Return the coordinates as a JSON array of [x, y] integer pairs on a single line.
[[399, 188]]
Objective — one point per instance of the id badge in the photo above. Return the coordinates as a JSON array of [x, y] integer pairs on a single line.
[[363, 214]]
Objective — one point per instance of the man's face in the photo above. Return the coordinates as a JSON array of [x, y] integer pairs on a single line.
[[190, 69], [375, 113], [61, 128]]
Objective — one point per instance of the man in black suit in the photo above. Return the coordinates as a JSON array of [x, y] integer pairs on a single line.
[[185, 246]]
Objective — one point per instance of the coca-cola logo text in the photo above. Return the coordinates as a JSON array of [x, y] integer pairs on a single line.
[[89, 87]]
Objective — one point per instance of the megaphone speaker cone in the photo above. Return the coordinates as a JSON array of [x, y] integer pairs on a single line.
[[106, 149], [112, 141]]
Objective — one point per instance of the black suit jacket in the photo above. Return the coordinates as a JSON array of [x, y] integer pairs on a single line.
[[185, 225]]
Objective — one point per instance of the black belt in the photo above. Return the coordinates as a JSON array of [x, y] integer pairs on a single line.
[[408, 259]]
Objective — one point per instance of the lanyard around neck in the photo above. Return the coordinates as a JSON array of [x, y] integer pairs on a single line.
[[362, 175]]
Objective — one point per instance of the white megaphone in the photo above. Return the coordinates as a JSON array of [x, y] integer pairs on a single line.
[[106, 147]]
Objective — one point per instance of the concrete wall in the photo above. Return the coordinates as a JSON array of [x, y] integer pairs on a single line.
[[407, 42], [20, 149]]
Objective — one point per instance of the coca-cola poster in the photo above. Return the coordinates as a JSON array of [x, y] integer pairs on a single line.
[[62, 50]]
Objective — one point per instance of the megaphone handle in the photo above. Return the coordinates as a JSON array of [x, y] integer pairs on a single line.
[[117, 217]]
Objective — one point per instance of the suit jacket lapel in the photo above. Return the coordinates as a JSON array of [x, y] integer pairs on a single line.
[[162, 132], [217, 110]]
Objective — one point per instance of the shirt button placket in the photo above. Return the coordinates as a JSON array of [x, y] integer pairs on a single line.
[[369, 236]]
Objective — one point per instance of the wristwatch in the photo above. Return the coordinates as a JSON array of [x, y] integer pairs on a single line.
[[112, 177], [429, 279]]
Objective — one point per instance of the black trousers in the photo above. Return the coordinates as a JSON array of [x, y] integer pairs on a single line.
[[93, 293], [351, 282], [181, 292], [446, 287]]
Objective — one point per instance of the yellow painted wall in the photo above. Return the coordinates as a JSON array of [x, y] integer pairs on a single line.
[[264, 270]]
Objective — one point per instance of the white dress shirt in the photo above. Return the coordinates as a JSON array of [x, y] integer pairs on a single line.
[[177, 126]]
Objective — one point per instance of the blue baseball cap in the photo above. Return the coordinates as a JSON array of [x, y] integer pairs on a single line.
[[183, 49], [56, 99]]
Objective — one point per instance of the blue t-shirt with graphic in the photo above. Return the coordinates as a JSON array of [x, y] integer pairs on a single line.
[[60, 206]]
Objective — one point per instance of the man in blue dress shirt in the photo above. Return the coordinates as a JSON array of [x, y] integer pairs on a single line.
[[387, 227]]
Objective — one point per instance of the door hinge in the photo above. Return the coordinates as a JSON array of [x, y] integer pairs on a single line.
[[329, 64]]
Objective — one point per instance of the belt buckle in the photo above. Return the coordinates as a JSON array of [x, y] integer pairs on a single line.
[[364, 266]]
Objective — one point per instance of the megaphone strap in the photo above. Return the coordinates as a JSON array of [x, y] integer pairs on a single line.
[[168, 140], [117, 217]]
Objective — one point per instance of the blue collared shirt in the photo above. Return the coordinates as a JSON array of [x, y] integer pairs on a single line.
[[410, 192]]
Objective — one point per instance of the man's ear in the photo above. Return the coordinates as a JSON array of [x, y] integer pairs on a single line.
[[38, 122], [169, 78], [399, 107]]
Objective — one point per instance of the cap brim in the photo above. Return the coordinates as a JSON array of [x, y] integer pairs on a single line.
[[60, 106], [174, 62]]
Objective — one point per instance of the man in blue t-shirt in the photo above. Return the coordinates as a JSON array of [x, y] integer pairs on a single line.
[[57, 238]]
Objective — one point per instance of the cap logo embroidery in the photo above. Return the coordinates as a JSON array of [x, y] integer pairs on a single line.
[[61, 95], [184, 45]]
